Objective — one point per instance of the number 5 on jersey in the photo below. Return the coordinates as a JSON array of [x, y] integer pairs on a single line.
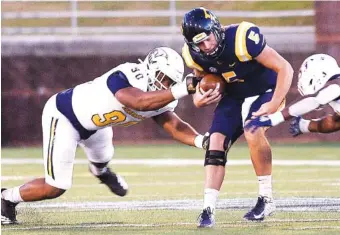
[[231, 77]]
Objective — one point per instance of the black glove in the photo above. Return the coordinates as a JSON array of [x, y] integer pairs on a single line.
[[192, 82]]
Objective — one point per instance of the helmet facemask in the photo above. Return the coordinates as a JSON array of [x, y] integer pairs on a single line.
[[160, 82]]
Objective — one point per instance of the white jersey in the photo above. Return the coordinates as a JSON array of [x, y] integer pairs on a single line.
[[335, 105], [96, 107], [330, 95], [331, 92]]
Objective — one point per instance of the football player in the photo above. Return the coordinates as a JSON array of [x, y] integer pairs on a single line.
[[319, 83], [257, 78], [123, 96]]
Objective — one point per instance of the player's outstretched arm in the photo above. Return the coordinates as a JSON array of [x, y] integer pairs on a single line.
[[179, 130], [271, 59], [297, 109], [250, 44], [328, 124], [137, 99]]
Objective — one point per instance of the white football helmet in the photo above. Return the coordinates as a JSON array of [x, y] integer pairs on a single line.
[[314, 73], [161, 62]]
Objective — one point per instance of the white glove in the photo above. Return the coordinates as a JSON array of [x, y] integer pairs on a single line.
[[179, 90]]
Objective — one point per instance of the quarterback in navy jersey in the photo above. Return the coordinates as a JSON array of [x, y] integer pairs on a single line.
[[246, 77], [257, 78]]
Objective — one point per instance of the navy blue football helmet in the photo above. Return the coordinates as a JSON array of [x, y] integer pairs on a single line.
[[197, 25]]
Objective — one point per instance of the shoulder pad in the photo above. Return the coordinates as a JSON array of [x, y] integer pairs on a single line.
[[188, 58], [249, 42], [136, 74]]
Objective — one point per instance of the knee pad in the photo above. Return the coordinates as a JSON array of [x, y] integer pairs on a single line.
[[215, 158], [99, 165]]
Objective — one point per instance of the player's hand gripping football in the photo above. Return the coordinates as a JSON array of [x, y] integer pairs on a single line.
[[203, 98]]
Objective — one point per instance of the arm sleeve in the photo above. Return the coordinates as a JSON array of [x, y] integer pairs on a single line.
[[309, 104], [249, 41], [328, 94], [303, 106], [117, 81]]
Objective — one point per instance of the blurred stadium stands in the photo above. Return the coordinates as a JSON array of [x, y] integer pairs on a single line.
[[120, 24]]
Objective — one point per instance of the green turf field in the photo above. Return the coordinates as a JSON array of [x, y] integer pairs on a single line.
[[167, 198]]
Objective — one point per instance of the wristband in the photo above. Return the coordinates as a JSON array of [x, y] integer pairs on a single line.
[[199, 141], [179, 90], [303, 125], [276, 118]]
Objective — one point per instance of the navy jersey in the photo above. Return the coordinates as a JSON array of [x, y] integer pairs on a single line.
[[244, 75]]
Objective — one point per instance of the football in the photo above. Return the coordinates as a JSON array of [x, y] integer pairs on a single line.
[[210, 81]]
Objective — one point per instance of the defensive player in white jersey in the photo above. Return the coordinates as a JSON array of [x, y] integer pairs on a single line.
[[83, 115], [319, 83]]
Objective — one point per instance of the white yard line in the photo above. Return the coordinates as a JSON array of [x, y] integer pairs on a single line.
[[154, 225], [177, 162], [315, 227], [199, 194], [283, 204], [326, 181]]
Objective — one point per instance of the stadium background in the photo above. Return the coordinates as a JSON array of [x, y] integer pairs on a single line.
[[50, 46], [44, 53]]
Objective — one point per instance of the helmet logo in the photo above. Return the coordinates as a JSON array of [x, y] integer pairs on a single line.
[[206, 14], [199, 37], [154, 54]]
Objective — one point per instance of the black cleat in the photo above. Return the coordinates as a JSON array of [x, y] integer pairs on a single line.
[[206, 219], [264, 207], [115, 182], [8, 212]]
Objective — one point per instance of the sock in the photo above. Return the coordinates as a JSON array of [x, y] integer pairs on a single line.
[[265, 186], [210, 198], [97, 170], [12, 195]]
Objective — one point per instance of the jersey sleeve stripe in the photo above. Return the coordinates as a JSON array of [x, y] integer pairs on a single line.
[[240, 41], [188, 59], [53, 127]]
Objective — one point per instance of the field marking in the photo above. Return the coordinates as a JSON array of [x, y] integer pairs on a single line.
[[177, 162], [199, 194], [315, 227], [336, 181], [270, 223], [165, 174], [282, 204]]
